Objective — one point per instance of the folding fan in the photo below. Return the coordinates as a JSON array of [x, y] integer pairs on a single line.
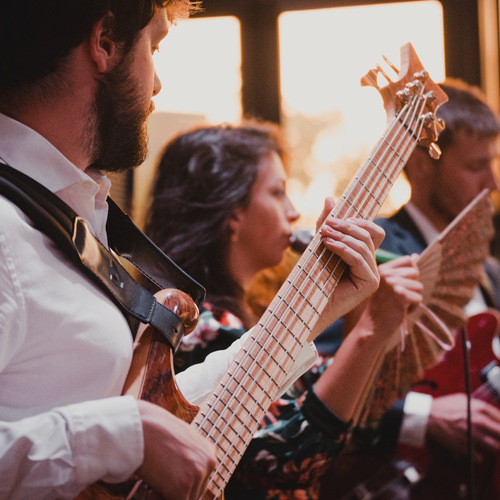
[[451, 268]]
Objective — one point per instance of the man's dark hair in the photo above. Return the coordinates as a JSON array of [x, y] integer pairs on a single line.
[[37, 35], [466, 110]]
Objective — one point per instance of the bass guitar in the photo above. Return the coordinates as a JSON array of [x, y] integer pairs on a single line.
[[232, 414]]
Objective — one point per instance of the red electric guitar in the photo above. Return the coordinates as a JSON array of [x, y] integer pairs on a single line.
[[444, 473], [432, 473]]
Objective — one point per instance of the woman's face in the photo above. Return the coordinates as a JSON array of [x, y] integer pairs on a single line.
[[262, 230]]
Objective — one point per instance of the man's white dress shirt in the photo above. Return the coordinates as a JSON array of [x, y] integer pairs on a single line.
[[65, 348]]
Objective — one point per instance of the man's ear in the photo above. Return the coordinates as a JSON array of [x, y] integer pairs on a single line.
[[418, 165], [103, 49]]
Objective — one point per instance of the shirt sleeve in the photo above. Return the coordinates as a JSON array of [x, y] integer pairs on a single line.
[[58, 453], [417, 408], [197, 382], [291, 451]]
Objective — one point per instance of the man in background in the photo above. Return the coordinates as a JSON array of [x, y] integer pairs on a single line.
[[440, 190]]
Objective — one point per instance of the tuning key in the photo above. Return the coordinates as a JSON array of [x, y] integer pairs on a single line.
[[434, 151], [370, 79]]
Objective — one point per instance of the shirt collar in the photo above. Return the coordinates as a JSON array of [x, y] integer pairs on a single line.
[[27, 151], [425, 226]]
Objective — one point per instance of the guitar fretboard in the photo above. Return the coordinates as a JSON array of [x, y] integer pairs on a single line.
[[231, 415]]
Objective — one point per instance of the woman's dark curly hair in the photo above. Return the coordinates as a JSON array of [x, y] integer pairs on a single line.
[[203, 176], [466, 110]]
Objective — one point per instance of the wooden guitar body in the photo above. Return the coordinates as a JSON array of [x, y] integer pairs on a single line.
[[151, 377]]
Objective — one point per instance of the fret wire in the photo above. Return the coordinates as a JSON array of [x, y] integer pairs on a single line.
[[222, 432], [371, 195], [247, 374], [325, 265], [270, 380], [375, 159], [290, 306], [377, 152], [396, 164], [252, 411], [378, 159]]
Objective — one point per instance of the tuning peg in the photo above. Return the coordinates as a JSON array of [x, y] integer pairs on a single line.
[[414, 87], [431, 97], [421, 76], [403, 95], [370, 79], [392, 66], [434, 151], [440, 124]]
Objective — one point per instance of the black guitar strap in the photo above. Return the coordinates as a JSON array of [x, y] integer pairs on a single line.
[[70, 233]]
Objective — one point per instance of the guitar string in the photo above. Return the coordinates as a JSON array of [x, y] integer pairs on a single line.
[[489, 390], [368, 398], [371, 160]]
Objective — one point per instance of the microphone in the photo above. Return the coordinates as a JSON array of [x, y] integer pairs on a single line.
[[300, 238]]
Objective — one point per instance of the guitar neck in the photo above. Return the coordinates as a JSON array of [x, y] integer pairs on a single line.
[[232, 414]]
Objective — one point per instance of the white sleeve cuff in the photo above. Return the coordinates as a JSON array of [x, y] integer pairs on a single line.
[[417, 408], [304, 361], [58, 453], [108, 440], [198, 381]]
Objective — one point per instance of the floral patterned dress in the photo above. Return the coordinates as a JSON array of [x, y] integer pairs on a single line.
[[296, 441]]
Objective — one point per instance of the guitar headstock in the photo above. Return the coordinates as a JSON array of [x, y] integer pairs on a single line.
[[415, 86]]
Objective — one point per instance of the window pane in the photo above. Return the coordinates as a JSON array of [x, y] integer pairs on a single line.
[[330, 120], [199, 65]]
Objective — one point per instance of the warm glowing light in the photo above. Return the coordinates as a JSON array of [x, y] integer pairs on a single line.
[[331, 122], [323, 55], [325, 52], [199, 67]]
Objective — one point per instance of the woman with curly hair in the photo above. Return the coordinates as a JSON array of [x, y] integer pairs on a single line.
[[221, 211]]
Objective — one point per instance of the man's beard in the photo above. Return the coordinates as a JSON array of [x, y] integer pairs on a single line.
[[118, 139]]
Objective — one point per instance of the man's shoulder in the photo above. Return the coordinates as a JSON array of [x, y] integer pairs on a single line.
[[401, 234]]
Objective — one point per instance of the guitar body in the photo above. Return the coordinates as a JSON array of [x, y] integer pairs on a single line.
[[448, 376], [151, 378], [444, 473]]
